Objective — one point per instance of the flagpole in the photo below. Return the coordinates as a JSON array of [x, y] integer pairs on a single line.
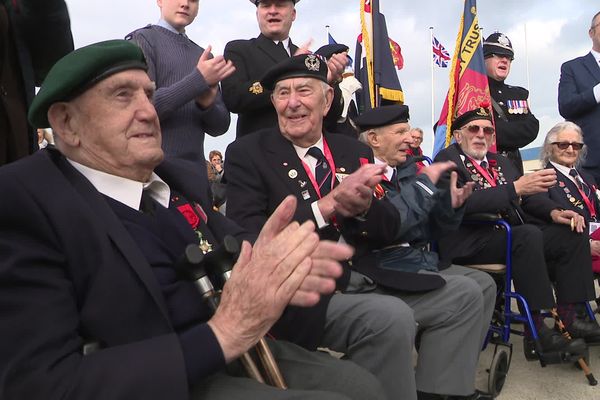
[[432, 77], [527, 62]]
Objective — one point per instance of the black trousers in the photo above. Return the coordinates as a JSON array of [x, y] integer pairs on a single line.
[[542, 256]]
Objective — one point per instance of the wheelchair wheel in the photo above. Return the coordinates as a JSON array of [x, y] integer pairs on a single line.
[[498, 371]]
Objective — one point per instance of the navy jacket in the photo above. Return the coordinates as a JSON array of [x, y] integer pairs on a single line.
[[576, 103], [70, 272]]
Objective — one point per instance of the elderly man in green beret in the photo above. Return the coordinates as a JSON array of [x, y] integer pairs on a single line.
[[90, 304]]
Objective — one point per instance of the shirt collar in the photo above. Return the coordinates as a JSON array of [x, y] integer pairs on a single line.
[[161, 22], [301, 151], [596, 55], [389, 171], [286, 44], [123, 190], [563, 170]]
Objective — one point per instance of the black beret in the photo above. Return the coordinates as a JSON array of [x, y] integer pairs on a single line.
[[479, 113], [81, 69], [330, 49], [304, 65], [255, 2], [498, 43], [382, 116]]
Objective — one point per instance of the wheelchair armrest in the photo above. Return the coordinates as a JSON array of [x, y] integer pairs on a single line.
[[482, 217]]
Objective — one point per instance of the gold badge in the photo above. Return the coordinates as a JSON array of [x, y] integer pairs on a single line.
[[256, 88]]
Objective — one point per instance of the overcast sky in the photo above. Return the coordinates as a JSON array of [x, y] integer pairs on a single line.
[[544, 33]]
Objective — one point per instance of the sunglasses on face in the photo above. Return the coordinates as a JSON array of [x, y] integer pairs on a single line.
[[565, 145], [488, 130]]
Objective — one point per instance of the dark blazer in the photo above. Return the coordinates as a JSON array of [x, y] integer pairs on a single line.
[[252, 58], [566, 195], [38, 35], [71, 272], [576, 103], [243, 94], [501, 199], [264, 168]]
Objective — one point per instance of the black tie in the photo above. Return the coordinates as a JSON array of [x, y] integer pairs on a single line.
[[282, 49], [147, 205], [484, 165], [322, 171]]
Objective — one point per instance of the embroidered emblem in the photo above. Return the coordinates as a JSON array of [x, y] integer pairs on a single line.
[[312, 62]]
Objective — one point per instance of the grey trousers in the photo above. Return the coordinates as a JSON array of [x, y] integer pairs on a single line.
[[377, 330], [309, 375]]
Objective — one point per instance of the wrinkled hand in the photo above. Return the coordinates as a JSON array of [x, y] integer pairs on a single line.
[[335, 67], [595, 247], [535, 182], [459, 195], [437, 169], [569, 217], [325, 269], [214, 69], [264, 280], [354, 194]]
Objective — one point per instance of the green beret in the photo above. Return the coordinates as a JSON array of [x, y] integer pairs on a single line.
[[81, 69], [382, 116], [304, 65]]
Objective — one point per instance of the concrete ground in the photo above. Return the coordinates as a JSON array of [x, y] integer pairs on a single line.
[[527, 380]]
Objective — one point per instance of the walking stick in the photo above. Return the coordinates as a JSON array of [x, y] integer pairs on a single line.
[[584, 367]]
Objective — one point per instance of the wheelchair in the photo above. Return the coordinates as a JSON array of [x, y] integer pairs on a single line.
[[504, 315]]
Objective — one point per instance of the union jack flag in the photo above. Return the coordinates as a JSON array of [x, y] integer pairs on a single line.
[[440, 54]]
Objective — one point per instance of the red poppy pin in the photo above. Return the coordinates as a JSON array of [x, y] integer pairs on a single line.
[[189, 214]]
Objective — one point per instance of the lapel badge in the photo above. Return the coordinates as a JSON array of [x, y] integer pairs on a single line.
[[293, 173], [305, 195], [342, 169], [256, 88], [285, 164], [302, 183]]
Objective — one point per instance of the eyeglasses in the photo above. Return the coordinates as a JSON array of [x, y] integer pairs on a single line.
[[565, 145], [487, 130]]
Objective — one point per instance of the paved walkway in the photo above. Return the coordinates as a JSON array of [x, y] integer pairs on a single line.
[[527, 380]]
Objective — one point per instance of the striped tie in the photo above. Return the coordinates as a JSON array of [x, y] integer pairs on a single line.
[[322, 171]]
